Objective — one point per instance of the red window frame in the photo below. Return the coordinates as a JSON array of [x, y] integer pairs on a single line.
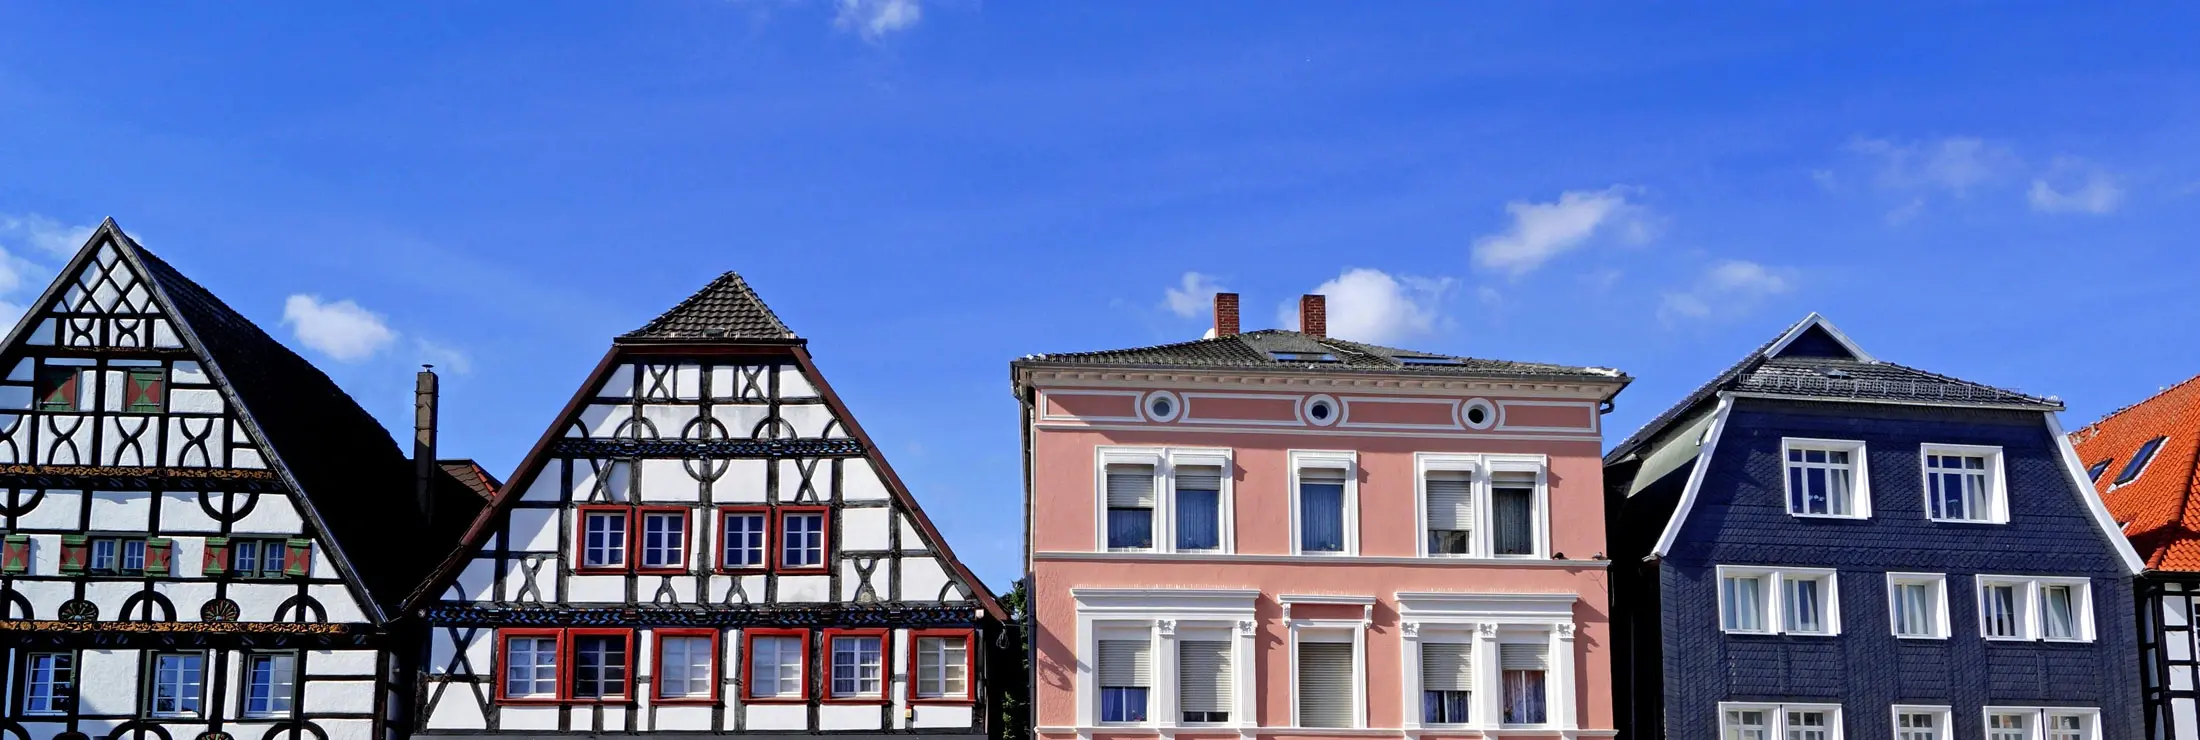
[[885, 666], [505, 636], [824, 539], [580, 538], [748, 665], [771, 530], [656, 670], [568, 664], [687, 539], [970, 665]]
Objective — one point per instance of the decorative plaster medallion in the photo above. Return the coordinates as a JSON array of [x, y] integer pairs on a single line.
[[218, 610], [1320, 410], [1162, 406], [1478, 413]]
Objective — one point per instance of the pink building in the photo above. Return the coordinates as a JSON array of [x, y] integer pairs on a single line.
[[1284, 535]]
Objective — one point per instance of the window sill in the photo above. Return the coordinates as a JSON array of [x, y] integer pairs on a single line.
[[1921, 637], [1967, 521], [675, 571], [846, 700], [776, 700], [1848, 517], [2067, 640], [942, 700], [526, 701], [684, 701]]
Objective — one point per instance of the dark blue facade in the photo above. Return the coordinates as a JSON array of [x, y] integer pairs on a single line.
[[1740, 518]]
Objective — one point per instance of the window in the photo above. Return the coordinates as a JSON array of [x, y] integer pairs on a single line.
[[250, 558], [531, 665], [144, 392], [58, 389], [1524, 667], [943, 667], [603, 538], [1809, 724], [2058, 612], [2008, 725], [2035, 608], [1513, 513], [2094, 471], [776, 660], [1963, 484], [179, 679], [686, 665], [2042, 723], [1918, 605], [1449, 502], [1325, 685], [271, 681], [1126, 674], [858, 667], [1321, 510], [1746, 724], [49, 680], [1203, 680], [802, 539], [133, 557], [664, 540], [2138, 465], [1198, 507], [2001, 610], [742, 539], [1130, 507], [1779, 721], [2068, 725], [1807, 603], [1921, 723], [1826, 478], [117, 556], [1447, 683], [601, 664]]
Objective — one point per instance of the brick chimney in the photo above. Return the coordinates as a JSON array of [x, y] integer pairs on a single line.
[[1313, 315], [424, 421], [1226, 314]]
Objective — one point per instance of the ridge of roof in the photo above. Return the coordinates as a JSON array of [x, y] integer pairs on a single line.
[[1259, 350], [1650, 428], [726, 310]]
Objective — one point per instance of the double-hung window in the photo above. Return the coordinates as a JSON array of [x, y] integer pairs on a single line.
[[2035, 608], [1131, 503], [1963, 483], [802, 538], [1447, 683], [1525, 667], [1921, 723], [1322, 503], [179, 684], [1779, 721], [664, 539], [1448, 503], [943, 666], [271, 681], [603, 538], [859, 666], [686, 665], [1826, 478], [1198, 507], [776, 660], [1917, 604], [1125, 672], [1203, 680], [1795, 601], [48, 682]]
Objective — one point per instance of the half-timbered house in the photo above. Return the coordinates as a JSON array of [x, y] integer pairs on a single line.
[[704, 541], [204, 538]]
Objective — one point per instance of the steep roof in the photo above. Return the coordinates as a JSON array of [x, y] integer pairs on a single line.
[[1279, 350], [2156, 508], [726, 309], [469, 474], [355, 483]]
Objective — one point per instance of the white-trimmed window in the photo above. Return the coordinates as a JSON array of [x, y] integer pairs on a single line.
[[1917, 605], [2035, 608], [1131, 503], [271, 681], [1447, 500], [1324, 503], [1779, 721], [1964, 483], [1516, 512], [858, 667], [47, 681], [1826, 477], [1922, 723], [684, 666], [1203, 685], [179, 683], [1482, 506], [1326, 679], [1196, 507], [943, 665], [1524, 670], [1447, 683], [2043, 723], [1165, 500], [530, 667], [775, 666], [603, 539], [1795, 601], [1125, 673]]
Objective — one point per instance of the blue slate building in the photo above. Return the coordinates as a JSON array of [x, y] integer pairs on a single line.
[[1818, 545]]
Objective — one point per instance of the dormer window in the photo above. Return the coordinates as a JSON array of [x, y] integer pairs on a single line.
[[1826, 478], [1303, 356], [2139, 460]]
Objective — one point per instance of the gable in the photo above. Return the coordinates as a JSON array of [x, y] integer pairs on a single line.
[[1815, 341]]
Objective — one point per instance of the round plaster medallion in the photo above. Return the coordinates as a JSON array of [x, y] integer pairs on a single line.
[[1162, 406], [218, 610], [1478, 413], [79, 610], [1320, 410]]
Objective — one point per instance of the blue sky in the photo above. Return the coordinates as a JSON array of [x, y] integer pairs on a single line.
[[928, 189]]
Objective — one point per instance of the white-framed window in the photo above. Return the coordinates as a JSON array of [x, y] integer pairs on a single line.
[[271, 680], [1795, 601], [603, 539], [2043, 723], [1739, 721], [1165, 499], [1326, 678], [1447, 683], [47, 681], [1196, 506], [1203, 672], [1912, 722], [1447, 505], [943, 666], [1517, 509], [1917, 605], [179, 684], [1826, 477], [664, 539], [1964, 483], [1523, 672], [741, 539], [1324, 503], [1125, 672], [858, 667], [2035, 608], [802, 539], [1131, 500], [1482, 505]]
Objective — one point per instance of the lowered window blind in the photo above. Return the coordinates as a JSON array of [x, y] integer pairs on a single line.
[[1203, 675], [1199, 478], [1447, 667], [1130, 487], [1126, 663], [1450, 500], [1524, 657], [1325, 684], [1333, 476]]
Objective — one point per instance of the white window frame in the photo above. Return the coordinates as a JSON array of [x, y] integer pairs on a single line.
[[1425, 463], [153, 691], [1356, 632], [1860, 497], [1943, 718], [2036, 725], [941, 691], [1777, 714], [1457, 634], [1487, 622], [64, 691], [1129, 632], [1346, 461], [778, 668], [1165, 461], [879, 656], [1939, 583], [1216, 633], [1486, 502], [2031, 601], [1997, 482], [1776, 595], [288, 697], [1163, 617], [683, 672]]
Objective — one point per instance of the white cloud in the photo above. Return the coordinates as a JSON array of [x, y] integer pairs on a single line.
[[1541, 231], [875, 19], [443, 356], [46, 234], [1956, 164], [1366, 305], [2095, 191], [1731, 287], [341, 330], [1193, 296]]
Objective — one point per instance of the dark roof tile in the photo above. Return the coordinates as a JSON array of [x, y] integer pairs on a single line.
[[1259, 350], [725, 310]]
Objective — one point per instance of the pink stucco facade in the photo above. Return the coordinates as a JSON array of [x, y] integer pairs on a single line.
[[1383, 594]]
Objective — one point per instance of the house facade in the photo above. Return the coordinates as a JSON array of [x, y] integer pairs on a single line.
[[705, 542], [204, 539], [1284, 534], [2141, 460], [1821, 545]]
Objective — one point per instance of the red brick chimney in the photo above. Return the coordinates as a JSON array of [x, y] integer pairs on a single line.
[[1313, 315], [1226, 314]]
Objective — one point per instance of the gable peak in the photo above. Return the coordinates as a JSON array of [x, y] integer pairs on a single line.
[[1816, 336], [726, 310]]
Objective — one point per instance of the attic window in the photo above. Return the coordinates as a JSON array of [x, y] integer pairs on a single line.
[[2094, 473], [2139, 461], [1303, 356], [1429, 360]]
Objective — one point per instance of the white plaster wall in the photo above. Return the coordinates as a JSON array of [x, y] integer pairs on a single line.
[[256, 602], [246, 458], [188, 596], [619, 383], [545, 486], [546, 581], [594, 589], [778, 716], [340, 662], [614, 717], [203, 400], [180, 512], [59, 509], [273, 513], [848, 717], [340, 696], [793, 384], [687, 381], [458, 709], [344, 729], [475, 582], [528, 718], [669, 419], [804, 589], [743, 483], [683, 588], [534, 530], [122, 510], [16, 397], [338, 602], [614, 473], [109, 696], [603, 419], [809, 419], [790, 481], [921, 579], [724, 382], [668, 480], [860, 482], [912, 539], [45, 554], [111, 451], [109, 595], [679, 718], [187, 557], [46, 596], [942, 715], [44, 730], [720, 586], [865, 529], [214, 429]]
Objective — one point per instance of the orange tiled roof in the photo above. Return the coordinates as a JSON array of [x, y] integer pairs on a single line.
[[2158, 509]]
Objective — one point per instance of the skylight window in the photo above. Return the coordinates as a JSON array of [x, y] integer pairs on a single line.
[[2094, 473], [1303, 356], [1429, 360], [2139, 461]]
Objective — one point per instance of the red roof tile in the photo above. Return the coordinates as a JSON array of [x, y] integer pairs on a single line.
[[2157, 509]]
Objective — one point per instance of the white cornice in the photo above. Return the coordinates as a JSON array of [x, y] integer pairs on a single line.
[[1410, 385], [1347, 560]]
